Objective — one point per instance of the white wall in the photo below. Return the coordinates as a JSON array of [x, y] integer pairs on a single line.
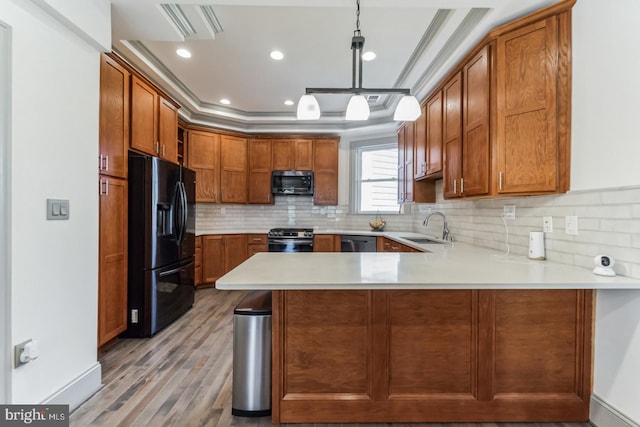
[[606, 90], [54, 147], [606, 153]]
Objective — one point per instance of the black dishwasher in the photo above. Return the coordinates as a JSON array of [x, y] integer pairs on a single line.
[[354, 243]]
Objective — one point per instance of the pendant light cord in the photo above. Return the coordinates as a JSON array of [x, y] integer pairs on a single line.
[[357, 31]]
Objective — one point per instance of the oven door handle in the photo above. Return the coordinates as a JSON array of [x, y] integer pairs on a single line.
[[287, 241]]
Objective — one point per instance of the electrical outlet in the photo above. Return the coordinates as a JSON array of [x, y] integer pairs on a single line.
[[547, 224], [134, 315], [509, 212], [571, 225]]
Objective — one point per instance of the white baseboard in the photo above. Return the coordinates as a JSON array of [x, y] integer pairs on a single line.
[[79, 390], [603, 415]]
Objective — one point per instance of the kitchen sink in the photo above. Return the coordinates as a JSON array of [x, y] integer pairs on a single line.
[[422, 240]]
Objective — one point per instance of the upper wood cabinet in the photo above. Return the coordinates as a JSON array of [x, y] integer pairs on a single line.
[[475, 128], [113, 249], [114, 118], [452, 137], [420, 146], [516, 110], [260, 171], [293, 154], [233, 169], [532, 113], [144, 117], [168, 130], [204, 158], [325, 171], [410, 190], [434, 136], [154, 122]]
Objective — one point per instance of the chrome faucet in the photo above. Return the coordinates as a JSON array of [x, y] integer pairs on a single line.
[[445, 227]]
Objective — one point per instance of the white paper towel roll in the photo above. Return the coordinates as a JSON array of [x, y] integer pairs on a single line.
[[536, 245]]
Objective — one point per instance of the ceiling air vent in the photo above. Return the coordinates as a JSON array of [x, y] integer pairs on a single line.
[[176, 16], [372, 99]]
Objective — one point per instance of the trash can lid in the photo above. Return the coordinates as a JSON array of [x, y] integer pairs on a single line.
[[255, 303]]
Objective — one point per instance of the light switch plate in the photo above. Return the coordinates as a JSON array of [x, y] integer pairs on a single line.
[[509, 212], [571, 225], [57, 209]]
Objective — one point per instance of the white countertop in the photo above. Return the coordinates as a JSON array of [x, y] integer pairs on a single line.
[[447, 266]]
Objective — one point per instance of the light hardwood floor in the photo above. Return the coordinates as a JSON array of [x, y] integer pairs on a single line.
[[182, 376]]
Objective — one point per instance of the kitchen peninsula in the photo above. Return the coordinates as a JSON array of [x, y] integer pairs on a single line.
[[457, 334]]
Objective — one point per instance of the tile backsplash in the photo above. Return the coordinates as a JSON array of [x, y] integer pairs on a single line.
[[608, 222], [288, 211]]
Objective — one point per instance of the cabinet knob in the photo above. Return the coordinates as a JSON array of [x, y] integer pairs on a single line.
[[500, 180], [455, 186], [461, 185], [157, 147]]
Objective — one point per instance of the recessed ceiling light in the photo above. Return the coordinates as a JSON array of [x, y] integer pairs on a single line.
[[288, 102], [183, 53], [225, 101], [276, 55], [368, 56]]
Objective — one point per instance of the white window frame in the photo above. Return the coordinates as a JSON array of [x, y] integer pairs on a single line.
[[356, 148]]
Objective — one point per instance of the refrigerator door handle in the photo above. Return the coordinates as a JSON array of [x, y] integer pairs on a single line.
[[185, 210], [177, 218]]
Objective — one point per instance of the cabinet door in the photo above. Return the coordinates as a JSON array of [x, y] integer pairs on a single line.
[[114, 118], [527, 149], [168, 130], [212, 258], [260, 171], [401, 174], [233, 169], [475, 143], [204, 158], [452, 137], [325, 172], [420, 146], [303, 154], [144, 117], [113, 243], [325, 243], [198, 262], [434, 135], [409, 136], [282, 154], [235, 250]]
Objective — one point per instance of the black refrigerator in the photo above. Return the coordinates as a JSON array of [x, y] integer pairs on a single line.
[[161, 243]]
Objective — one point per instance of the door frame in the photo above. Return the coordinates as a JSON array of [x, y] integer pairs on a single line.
[[5, 218]]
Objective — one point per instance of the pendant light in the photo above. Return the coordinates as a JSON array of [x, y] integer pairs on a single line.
[[408, 109]]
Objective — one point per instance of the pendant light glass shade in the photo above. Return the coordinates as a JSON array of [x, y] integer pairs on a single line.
[[358, 108], [308, 108], [408, 109]]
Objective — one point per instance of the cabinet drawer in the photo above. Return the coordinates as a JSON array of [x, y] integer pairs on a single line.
[[257, 239]]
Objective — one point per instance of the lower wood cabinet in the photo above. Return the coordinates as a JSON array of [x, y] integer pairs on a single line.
[[326, 243], [347, 356], [113, 244], [221, 253], [257, 243], [198, 262], [387, 245]]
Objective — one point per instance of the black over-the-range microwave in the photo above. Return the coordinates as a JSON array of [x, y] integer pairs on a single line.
[[292, 182]]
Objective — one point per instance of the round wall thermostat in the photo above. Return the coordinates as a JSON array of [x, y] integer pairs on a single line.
[[604, 265]]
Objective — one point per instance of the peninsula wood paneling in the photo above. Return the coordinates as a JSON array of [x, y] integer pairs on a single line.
[[326, 345], [432, 356], [432, 343]]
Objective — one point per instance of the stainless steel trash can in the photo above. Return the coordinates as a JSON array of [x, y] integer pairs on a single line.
[[252, 356]]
